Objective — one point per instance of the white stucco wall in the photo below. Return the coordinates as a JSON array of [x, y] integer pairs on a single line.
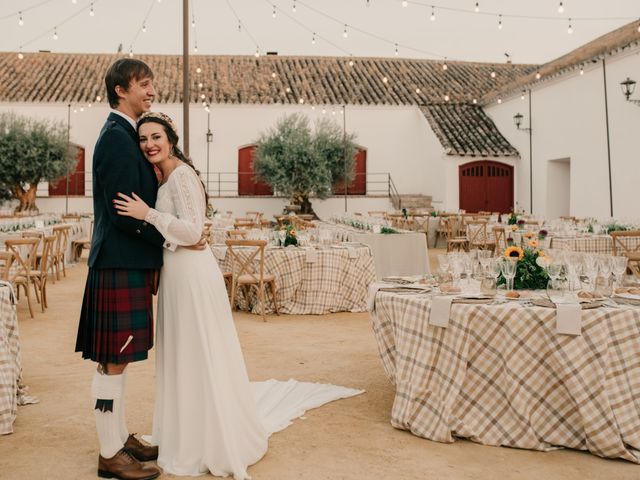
[[398, 140], [569, 122]]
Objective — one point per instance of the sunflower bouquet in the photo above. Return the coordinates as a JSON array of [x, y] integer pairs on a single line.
[[530, 271]]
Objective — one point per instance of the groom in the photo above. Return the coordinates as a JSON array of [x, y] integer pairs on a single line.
[[116, 322]]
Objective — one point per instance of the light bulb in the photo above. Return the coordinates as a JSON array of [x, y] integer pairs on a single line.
[[203, 96], [74, 1], [288, 90], [313, 107], [405, 3], [351, 63], [273, 14], [477, 8], [417, 90], [499, 100], [195, 48], [444, 66], [313, 39], [570, 29], [522, 95], [493, 74], [200, 85], [20, 56], [475, 101], [55, 34], [385, 79], [500, 22], [561, 8], [345, 34], [82, 109], [581, 70], [257, 54], [446, 98], [20, 21], [396, 50], [144, 28], [98, 98], [324, 110], [90, 105], [193, 24], [301, 101], [433, 15], [91, 12], [273, 75], [198, 70], [294, 6], [538, 76]]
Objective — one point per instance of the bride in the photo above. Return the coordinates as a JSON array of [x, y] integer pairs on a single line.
[[208, 416]]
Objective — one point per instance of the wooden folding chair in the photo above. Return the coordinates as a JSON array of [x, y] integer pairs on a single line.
[[6, 260], [25, 253], [245, 223], [627, 244], [245, 272], [454, 242], [500, 239], [71, 218], [478, 236], [237, 234], [77, 246], [62, 241]]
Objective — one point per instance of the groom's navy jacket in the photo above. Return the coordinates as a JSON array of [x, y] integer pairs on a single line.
[[119, 166]]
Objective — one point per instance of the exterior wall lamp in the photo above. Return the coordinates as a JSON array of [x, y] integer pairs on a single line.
[[517, 119], [628, 87]]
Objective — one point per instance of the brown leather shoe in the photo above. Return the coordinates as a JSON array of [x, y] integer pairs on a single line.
[[124, 467], [142, 452]]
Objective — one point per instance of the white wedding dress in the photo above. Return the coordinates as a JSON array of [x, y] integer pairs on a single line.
[[208, 417]]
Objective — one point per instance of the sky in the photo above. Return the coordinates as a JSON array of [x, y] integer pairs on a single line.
[[533, 31]]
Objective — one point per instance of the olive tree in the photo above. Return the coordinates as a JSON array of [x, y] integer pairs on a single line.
[[300, 163], [31, 150]]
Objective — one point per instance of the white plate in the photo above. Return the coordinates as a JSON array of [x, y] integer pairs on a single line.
[[627, 296]]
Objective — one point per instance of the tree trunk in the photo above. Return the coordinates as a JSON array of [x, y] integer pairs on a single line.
[[305, 205], [27, 198]]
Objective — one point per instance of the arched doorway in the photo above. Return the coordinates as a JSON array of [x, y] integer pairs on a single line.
[[247, 183], [486, 186]]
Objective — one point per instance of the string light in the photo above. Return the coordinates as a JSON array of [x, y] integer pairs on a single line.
[[294, 6], [444, 65], [385, 79], [396, 49], [500, 22], [324, 110], [198, 70], [239, 26], [405, 3], [195, 48], [20, 21], [446, 97], [200, 85], [499, 100], [203, 96], [477, 7], [561, 8], [493, 74], [89, 104], [581, 69], [351, 63], [144, 28], [91, 12], [98, 98], [20, 56], [344, 33], [433, 14], [193, 22], [475, 101], [273, 14], [55, 33], [538, 76], [301, 101], [313, 38], [74, 1], [418, 91], [273, 74], [257, 54], [288, 90], [570, 29], [522, 95], [130, 54]]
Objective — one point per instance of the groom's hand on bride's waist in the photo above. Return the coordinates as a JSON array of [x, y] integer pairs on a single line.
[[201, 245]]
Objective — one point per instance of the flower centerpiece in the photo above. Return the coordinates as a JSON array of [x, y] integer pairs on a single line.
[[513, 218], [530, 269], [542, 234], [291, 236]]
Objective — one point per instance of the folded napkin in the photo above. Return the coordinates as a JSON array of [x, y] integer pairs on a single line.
[[371, 295], [569, 318], [439, 312], [311, 255]]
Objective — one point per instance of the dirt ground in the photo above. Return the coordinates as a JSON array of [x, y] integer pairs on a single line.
[[347, 439]]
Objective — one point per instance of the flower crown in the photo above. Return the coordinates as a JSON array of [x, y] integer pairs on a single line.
[[164, 118]]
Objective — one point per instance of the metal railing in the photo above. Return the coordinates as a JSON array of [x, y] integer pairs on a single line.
[[226, 184]]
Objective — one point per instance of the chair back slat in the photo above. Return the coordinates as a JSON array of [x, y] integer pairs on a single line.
[[246, 259]]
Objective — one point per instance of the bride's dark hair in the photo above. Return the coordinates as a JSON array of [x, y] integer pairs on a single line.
[[172, 136]]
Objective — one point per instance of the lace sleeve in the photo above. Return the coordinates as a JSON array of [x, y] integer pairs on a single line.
[[188, 198]]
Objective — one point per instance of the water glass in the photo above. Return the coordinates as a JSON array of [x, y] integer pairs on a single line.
[[619, 269], [488, 286], [508, 269]]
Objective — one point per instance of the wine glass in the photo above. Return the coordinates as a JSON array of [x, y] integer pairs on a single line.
[[443, 262], [591, 269], [508, 269], [619, 269]]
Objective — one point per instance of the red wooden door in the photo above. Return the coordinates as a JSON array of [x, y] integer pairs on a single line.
[[247, 183], [486, 186], [76, 178], [359, 184]]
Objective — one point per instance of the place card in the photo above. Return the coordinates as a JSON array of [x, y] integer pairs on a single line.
[[569, 319], [39, 223], [352, 252], [311, 255], [439, 311]]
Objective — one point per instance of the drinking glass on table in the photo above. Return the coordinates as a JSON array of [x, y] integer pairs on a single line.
[[456, 266], [619, 269], [443, 262], [508, 269], [557, 290], [591, 269], [484, 256]]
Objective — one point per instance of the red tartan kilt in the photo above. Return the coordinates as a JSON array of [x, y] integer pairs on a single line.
[[117, 305]]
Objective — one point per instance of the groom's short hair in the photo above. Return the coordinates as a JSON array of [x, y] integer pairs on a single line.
[[121, 72]]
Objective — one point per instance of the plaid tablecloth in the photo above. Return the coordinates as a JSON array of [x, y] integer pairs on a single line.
[[330, 279], [591, 244], [501, 375], [9, 361]]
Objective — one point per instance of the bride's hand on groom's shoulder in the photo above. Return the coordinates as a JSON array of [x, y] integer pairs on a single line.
[[132, 206]]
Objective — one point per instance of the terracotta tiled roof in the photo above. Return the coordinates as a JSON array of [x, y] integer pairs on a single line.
[[55, 77], [610, 43], [466, 130]]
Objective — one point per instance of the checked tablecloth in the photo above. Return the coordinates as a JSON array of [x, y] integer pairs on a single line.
[[501, 375], [9, 360], [325, 280], [592, 244]]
